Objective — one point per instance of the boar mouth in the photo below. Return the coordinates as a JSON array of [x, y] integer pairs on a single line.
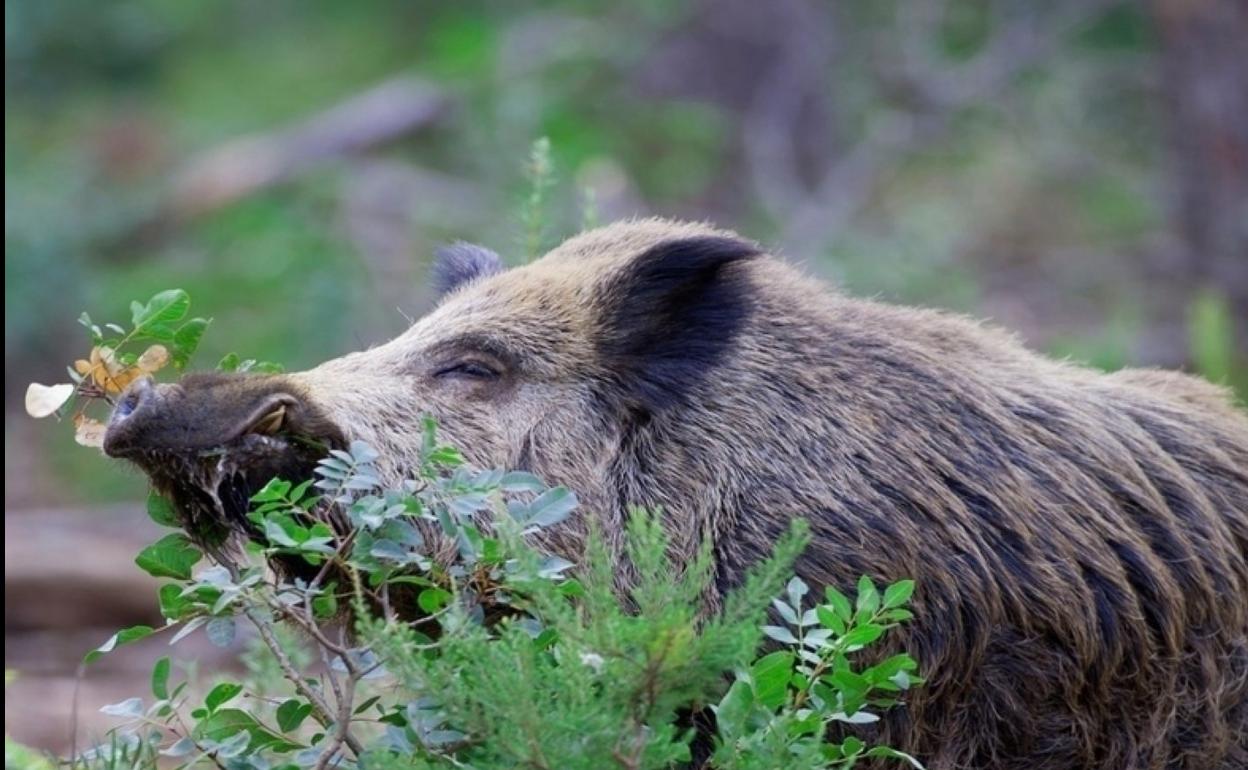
[[212, 489], [211, 483]]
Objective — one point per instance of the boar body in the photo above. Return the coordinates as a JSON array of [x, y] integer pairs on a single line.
[[1078, 538]]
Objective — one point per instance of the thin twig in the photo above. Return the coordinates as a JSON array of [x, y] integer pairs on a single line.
[[339, 553], [340, 692], [346, 701], [321, 709], [190, 736], [309, 627]]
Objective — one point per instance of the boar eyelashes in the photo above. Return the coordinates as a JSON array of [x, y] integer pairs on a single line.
[[471, 356], [468, 370]]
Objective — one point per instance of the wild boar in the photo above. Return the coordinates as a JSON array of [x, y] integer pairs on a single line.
[[1078, 538]]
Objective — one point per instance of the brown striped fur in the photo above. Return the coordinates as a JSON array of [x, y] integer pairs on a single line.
[[1079, 539]]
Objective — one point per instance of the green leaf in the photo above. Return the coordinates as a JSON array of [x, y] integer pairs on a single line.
[[233, 746], [491, 551], [551, 507], [546, 638], [165, 308], [298, 492], [830, 620], [159, 332], [226, 723], [222, 694], [445, 456], [868, 598], [780, 634], [275, 490], [186, 340], [863, 635], [520, 481], [161, 510], [840, 604], [125, 636], [852, 685], [180, 748], [261, 367], [362, 453], [173, 604], [220, 631], [898, 593], [429, 435], [796, 589], [786, 612], [734, 709], [282, 531], [885, 670], [292, 713], [433, 599], [188, 629], [388, 550], [553, 566], [160, 678], [172, 556], [887, 753], [229, 363], [771, 674], [129, 708], [326, 605]]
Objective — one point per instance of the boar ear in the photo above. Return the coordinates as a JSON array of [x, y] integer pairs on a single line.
[[672, 314], [461, 263]]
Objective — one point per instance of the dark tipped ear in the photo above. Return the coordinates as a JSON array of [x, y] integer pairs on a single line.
[[460, 263], [672, 315]]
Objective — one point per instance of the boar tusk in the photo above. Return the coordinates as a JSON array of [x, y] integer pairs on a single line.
[[272, 422]]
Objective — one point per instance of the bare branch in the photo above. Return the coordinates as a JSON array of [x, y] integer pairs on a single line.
[[941, 91], [345, 695], [321, 709], [242, 166]]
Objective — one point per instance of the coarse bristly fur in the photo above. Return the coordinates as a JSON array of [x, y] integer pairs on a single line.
[[1078, 538]]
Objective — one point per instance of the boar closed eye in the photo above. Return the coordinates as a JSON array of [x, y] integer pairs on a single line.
[[468, 370]]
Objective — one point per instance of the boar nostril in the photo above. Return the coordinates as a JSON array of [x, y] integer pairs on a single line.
[[134, 397], [120, 435]]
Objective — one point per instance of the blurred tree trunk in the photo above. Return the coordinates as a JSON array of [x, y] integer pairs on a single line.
[[1205, 76]]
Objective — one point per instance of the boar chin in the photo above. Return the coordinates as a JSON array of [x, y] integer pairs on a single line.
[[211, 489]]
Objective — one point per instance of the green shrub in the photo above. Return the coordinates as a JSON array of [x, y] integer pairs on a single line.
[[518, 658]]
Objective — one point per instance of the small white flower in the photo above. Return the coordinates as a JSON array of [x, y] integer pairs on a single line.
[[593, 660]]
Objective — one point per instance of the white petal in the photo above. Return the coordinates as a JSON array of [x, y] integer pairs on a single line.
[[43, 400]]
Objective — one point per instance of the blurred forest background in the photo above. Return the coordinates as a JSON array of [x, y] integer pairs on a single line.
[[1076, 170]]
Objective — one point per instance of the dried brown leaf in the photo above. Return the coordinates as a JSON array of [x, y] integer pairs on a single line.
[[88, 431], [153, 359]]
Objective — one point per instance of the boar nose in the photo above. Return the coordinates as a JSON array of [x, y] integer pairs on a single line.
[[135, 405]]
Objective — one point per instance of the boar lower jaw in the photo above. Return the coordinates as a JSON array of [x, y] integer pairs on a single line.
[[212, 489]]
